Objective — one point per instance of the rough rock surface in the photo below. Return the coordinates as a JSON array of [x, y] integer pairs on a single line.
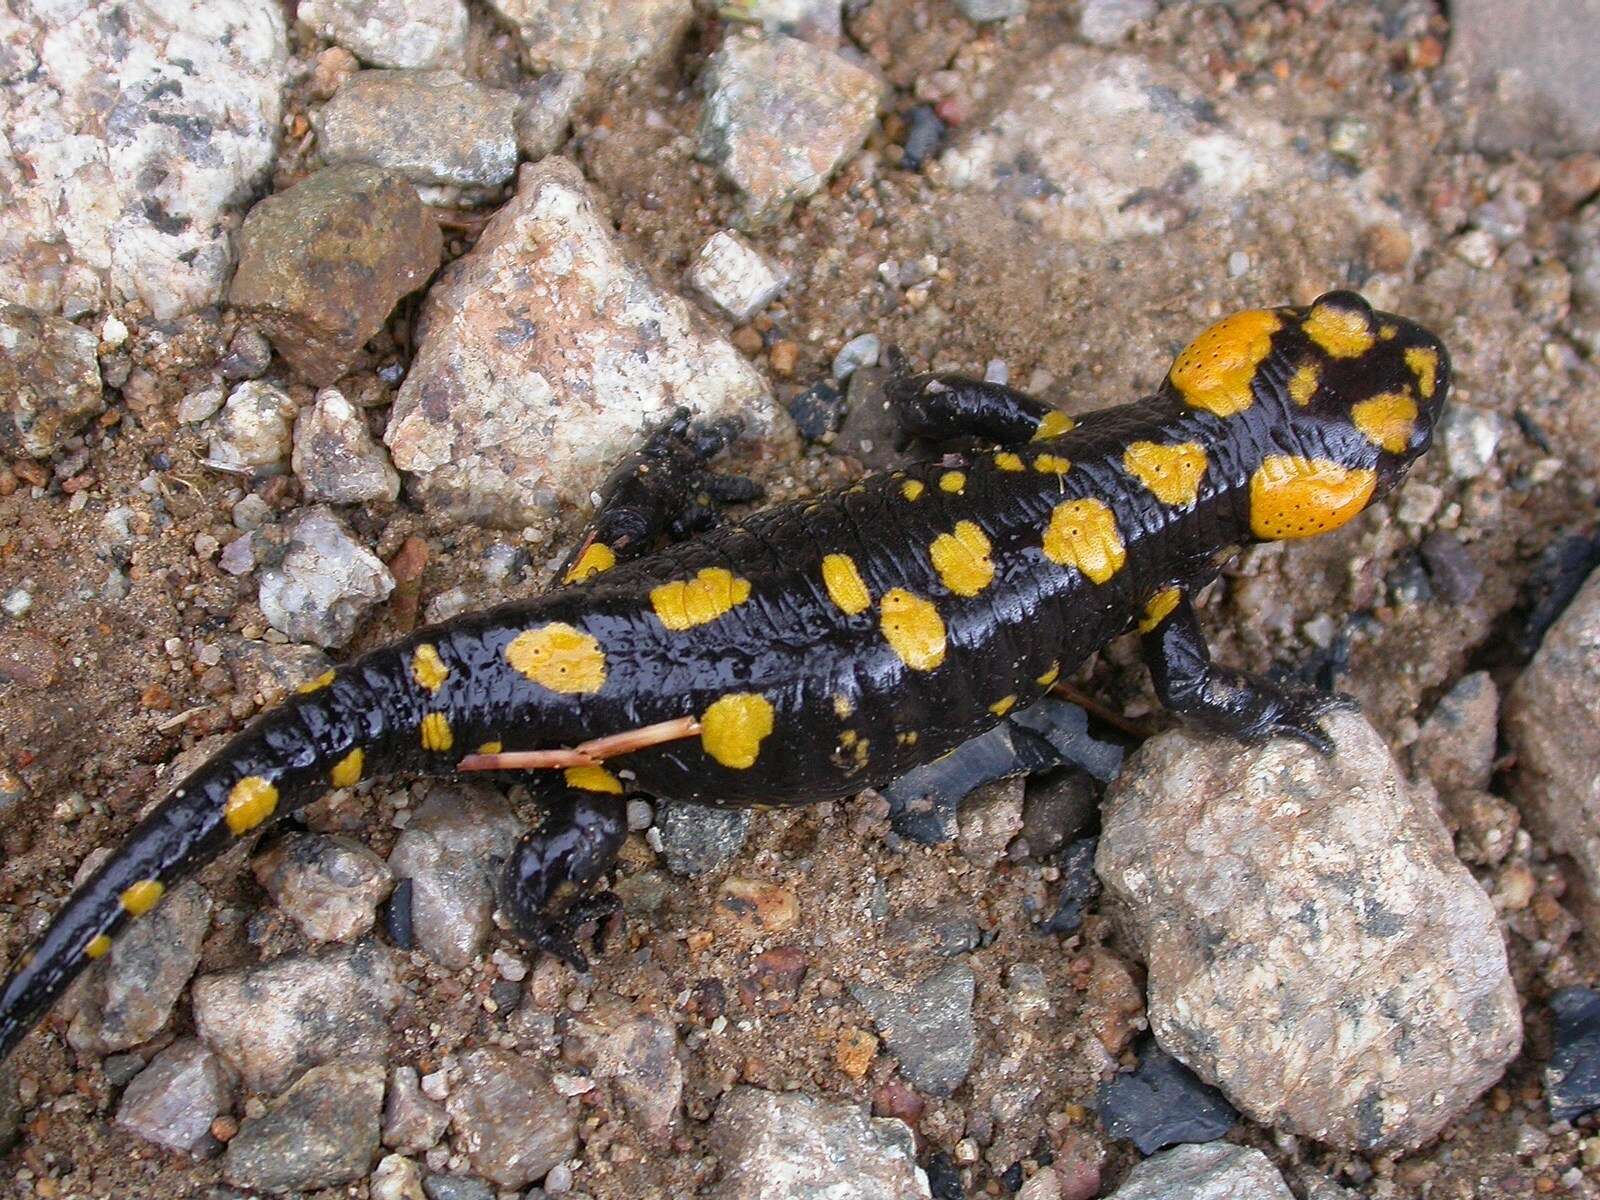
[[1455, 747], [322, 264], [791, 1146], [134, 134], [638, 1050], [322, 1131], [780, 116], [1216, 1171], [428, 126], [324, 583], [1162, 1103], [544, 112], [508, 1120], [928, 1027], [335, 458], [255, 428], [734, 275], [698, 838], [445, 851], [603, 36], [173, 1101], [392, 33], [1315, 948], [1534, 64], [1553, 724], [272, 1022], [128, 995], [329, 886], [411, 1122], [543, 354], [1572, 1076], [49, 381]]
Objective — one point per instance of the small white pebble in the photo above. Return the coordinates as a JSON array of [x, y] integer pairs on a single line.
[[559, 1180], [113, 332], [17, 602], [1238, 264], [858, 352], [510, 966], [205, 545], [640, 815], [435, 1086], [996, 371]]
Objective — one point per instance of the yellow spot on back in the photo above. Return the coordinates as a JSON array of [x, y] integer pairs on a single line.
[[593, 779], [911, 489], [1050, 676], [1171, 473], [1303, 384], [427, 668], [907, 737], [962, 559], [685, 603], [843, 581], [347, 771], [1295, 497], [98, 947], [1003, 705], [913, 629], [435, 732], [1083, 534], [559, 657], [1214, 371], [953, 482], [848, 738], [491, 747], [315, 685], [1342, 332], [732, 729], [250, 801], [1053, 424], [139, 898], [1159, 607], [843, 706], [1051, 464], [1387, 332], [1007, 461], [1386, 420], [596, 558], [1424, 364]]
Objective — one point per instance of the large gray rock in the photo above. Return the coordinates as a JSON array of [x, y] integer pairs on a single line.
[[321, 1132], [928, 1026], [1553, 724], [1531, 63], [324, 583], [791, 1146], [329, 886], [780, 116], [49, 381], [543, 354], [1215, 1171], [134, 134], [604, 36], [1315, 949], [392, 33], [638, 1051], [173, 1101], [509, 1121], [275, 1021]]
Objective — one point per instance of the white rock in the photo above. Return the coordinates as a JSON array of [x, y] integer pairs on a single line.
[[735, 276], [392, 33], [256, 428], [599, 35], [336, 458], [325, 583]]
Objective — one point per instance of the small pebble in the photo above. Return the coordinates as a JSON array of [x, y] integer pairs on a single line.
[[858, 352]]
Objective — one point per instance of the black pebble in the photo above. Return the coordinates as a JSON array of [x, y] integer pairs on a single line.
[[1456, 578], [818, 412], [397, 916], [1162, 1103], [1011, 1178], [1572, 1077], [924, 135], [944, 1181], [1079, 887]]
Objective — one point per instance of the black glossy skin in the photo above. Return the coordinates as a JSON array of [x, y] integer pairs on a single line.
[[848, 713]]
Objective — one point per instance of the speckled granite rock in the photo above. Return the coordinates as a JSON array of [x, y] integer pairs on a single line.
[[329, 886], [322, 1131], [780, 117], [392, 33], [602, 35], [543, 354], [637, 1050], [173, 1101], [1315, 948], [49, 381], [324, 583], [790, 1146], [255, 428], [322, 265], [508, 1120], [134, 134], [1216, 1171], [335, 458]]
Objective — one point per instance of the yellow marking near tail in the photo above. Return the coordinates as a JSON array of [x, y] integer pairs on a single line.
[[733, 728], [596, 559], [1007, 461], [1003, 705], [250, 801], [592, 779], [139, 898], [1051, 464], [912, 488], [844, 584], [1050, 676], [427, 668], [559, 657], [685, 603], [1084, 534], [347, 771], [1053, 424], [1295, 497], [1424, 364], [315, 685], [913, 628], [98, 947], [491, 747], [1158, 608], [1215, 371], [1171, 474], [962, 559], [1303, 384], [954, 482], [435, 732]]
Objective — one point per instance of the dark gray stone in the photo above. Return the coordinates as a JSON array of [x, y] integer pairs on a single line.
[[321, 1132], [698, 838], [1161, 1103], [1572, 1077], [929, 1027]]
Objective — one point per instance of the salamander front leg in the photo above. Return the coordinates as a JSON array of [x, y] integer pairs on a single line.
[[545, 890], [1220, 698], [941, 406]]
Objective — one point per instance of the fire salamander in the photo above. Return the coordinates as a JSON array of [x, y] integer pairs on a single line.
[[824, 646]]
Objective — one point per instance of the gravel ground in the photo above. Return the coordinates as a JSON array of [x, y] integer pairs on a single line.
[[325, 324]]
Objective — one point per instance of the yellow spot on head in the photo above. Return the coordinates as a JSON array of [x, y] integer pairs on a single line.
[[427, 668], [1294, 497], [347, 771], [1342, 332], [1214, 372], [1049, 464], [1003, 705], [139, 898], [732, 729], [685, 603], [962, 559], [559, 657], [250, 801], [315, 685], [1050, 676], [596, 558], [1159, 607], [913, 629], [491, 747], [911, 489], [1387, 420], [843, 581], [1303, 384], [592, 779], [99, 947], [1171, 473], [1053, 424], [1007, 461], [1424, 364], [435, 732], [953, 482], [1083, 534]]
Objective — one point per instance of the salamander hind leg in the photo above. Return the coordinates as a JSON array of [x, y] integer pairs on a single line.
[[546, 890], [1223, 699], [940, 407]]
